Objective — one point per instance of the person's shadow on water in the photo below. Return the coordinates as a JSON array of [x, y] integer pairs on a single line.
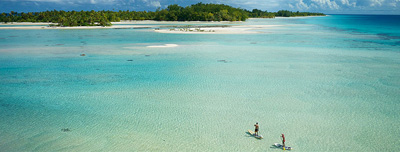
[[249, 135], [276, 147]]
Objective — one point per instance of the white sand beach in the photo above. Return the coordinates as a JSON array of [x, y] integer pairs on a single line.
[[236, 29], [26, 23], [115, 25], [76, 27]]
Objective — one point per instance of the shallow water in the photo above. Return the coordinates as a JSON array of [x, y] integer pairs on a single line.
[[327, 88]]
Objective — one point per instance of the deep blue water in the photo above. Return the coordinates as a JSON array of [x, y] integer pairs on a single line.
[[387, 27]]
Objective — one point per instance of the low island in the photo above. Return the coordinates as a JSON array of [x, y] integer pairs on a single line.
[[196, 12]]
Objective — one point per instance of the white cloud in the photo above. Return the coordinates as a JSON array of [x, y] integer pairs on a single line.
[[326, 4], [346, 6], [152, 3], [317, 4], [301, 5], [259, 3], [291, 6], [394, 3], [376, 2], [347, 3], [155, 4], [71, 1], [58, 1]]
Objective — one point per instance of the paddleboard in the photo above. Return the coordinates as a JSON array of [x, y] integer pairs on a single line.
[[281, 146], [253, 134]]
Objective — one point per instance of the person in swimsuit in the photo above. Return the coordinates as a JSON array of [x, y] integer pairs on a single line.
[[283, 140], [256, 130]]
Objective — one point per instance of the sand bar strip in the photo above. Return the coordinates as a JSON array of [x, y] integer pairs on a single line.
[[238, 29], [163, 46]]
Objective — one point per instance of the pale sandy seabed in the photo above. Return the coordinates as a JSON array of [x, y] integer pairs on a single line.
[[148, 90]]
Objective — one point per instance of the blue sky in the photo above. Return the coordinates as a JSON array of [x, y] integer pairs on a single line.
[[324, 6]]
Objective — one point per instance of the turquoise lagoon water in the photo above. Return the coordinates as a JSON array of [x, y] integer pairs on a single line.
[[327, 85]]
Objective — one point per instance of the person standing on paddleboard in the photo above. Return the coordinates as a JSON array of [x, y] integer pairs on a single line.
[[283, 140], [256, 130]]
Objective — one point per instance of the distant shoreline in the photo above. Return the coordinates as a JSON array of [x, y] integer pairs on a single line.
[[76, 27], [42, 25], [121, 24], [192, 27], [131, 24]]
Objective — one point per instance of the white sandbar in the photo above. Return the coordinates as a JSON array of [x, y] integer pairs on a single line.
[[237, 29], [163, 46]]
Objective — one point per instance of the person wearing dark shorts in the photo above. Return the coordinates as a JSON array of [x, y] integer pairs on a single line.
[[256, 130], [283, 141]]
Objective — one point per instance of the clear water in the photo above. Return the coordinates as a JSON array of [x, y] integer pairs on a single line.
[[327, 85]]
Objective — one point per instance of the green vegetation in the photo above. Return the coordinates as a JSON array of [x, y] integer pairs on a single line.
[[256, 13], [63, 18], [285, 13], [282, 13], [201, 12], [196, 12]]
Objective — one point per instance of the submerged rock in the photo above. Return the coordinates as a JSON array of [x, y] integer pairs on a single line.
[[224, 61], [65, 130]]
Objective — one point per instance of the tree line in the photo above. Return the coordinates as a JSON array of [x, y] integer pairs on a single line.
[[196, 12], [286, 13], [256, 13]]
